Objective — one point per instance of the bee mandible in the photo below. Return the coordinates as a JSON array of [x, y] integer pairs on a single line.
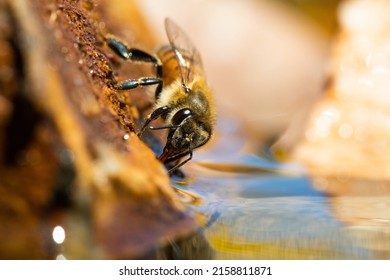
[[183, 98]]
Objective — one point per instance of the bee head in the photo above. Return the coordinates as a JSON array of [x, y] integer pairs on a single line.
[[188, 134]]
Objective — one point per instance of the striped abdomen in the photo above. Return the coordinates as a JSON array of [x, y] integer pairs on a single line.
[[178, 65]]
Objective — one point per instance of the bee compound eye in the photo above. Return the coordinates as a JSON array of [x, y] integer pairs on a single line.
[[181, 115]]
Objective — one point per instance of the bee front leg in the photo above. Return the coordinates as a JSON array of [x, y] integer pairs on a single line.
[[154, 115]]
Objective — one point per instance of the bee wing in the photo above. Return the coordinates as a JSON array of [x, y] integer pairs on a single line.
[[186, 54]]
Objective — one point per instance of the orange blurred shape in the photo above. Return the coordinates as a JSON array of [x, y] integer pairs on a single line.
[[348, 132]]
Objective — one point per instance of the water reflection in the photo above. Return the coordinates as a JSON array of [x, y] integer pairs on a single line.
[[271, 216]]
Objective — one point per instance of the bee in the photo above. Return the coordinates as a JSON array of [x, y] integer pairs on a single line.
[[183, 98]]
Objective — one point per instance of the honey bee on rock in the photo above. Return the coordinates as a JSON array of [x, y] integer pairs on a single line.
[[183, 98]]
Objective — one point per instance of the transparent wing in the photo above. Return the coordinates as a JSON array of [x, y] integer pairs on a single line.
[[186, 54]]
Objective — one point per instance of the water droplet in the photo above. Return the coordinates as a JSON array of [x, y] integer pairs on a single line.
[[58, 234], [126, 136]]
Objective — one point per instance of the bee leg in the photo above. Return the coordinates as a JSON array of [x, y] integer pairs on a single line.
[[133, 54], [154, 115], [134, 83], [127, 53], [173, 169]]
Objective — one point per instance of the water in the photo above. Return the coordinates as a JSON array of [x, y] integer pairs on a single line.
[[253, 208]]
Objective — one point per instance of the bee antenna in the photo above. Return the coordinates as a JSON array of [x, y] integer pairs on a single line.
[[186, 89]]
